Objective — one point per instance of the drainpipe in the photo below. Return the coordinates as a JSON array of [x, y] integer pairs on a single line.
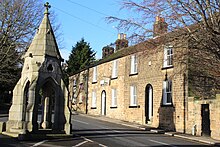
[[87, 85], [184, 103]]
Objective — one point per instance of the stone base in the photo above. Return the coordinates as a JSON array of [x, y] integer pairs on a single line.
[[14, 124], [11, 134], [68, 128]]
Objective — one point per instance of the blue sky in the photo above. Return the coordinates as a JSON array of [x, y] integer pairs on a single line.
[[86, 18]]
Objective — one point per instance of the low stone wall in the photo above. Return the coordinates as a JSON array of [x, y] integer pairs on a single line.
[[194, 116]]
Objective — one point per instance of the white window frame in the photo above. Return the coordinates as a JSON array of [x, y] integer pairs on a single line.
[[74, 82], [94, 77], [134, 64], [114, 97], [93, 99], [133, 95], [115, 69], [168, 56], [167, 92]]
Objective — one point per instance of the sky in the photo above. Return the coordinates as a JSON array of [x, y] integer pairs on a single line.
[[86, 19]]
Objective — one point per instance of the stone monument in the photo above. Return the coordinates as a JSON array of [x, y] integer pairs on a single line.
[[40, 98]]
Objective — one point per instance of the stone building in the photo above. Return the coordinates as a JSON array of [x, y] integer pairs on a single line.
[[40, 97], [148, 84]]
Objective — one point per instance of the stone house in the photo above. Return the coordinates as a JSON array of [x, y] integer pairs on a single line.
[[147, 83]]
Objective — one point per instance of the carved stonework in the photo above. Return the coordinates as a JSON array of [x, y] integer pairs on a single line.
[[40, 87]]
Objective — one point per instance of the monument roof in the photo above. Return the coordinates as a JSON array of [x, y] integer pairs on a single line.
[[44, 42]]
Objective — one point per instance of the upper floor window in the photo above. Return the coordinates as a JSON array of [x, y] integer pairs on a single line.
[[93, 99], [94, 78], [115, 69], [167, 92], [133, 64], [114, 97], [133, 95], [168, 56]]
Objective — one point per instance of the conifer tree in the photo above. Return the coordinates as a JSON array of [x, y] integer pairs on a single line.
[[81, 56]]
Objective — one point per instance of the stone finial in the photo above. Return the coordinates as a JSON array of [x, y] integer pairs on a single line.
[[47, 6]]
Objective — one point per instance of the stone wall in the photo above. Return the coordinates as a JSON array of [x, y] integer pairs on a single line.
[[150, 71], [104, 73], [194, 116], [78, 92]]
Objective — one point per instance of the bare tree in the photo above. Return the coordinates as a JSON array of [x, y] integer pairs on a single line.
[[19, 20], [199, 22]]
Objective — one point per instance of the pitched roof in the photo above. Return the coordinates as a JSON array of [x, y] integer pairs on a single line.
[[44, 42]]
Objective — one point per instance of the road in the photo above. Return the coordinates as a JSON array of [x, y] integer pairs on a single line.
[[88, 131]]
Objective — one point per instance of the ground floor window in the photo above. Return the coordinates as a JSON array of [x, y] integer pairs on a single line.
[[94, 99], [167, 92], [114, 97], [133, 95]]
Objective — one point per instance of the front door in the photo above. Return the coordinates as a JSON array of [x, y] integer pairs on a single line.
[[103, 111], [148, 103], [205, 120]]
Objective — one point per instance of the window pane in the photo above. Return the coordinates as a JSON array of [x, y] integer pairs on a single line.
[[169, 97], [94, 74], [168, 56], [133, 91], [133, 64], [114, 97], [167, 94], [115, 69], [93, 99]]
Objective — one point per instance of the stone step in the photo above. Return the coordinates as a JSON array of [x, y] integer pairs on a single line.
[[16, 130], [11, 134]]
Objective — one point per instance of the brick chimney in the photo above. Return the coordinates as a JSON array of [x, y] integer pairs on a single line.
[[121, 42], [160, 26], [106, 51]]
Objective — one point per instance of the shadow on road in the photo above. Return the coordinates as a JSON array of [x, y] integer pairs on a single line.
[[6, 141], [102, 133]]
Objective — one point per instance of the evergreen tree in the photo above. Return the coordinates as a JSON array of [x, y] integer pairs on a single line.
[[81, 56]]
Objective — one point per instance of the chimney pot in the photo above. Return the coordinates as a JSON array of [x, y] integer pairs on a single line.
[[160, 26], [121, 42]]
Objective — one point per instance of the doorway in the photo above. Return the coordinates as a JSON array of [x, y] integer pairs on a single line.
[[148, 103], [205, 112], [46, 105], [103, 101]]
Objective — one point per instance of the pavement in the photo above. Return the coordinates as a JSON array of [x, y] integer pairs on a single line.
[[203, 139]]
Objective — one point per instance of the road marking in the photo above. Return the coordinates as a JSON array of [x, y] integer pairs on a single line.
[[39, 143], [81, 143], [161, 143], [92, 141], [87, 139], [81, 122], [103, 145]]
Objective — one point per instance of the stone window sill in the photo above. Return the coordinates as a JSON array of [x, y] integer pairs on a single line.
[[134, 106], [167, 67], [94, 82], [133, 74], [113, 107]]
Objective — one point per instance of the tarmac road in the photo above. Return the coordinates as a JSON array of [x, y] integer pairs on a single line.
[[88, 131]]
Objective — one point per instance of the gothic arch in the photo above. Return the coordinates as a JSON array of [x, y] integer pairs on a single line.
[[103, 102], [148, 103]]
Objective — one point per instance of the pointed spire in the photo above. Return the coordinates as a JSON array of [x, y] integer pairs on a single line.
[[44, 42]]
